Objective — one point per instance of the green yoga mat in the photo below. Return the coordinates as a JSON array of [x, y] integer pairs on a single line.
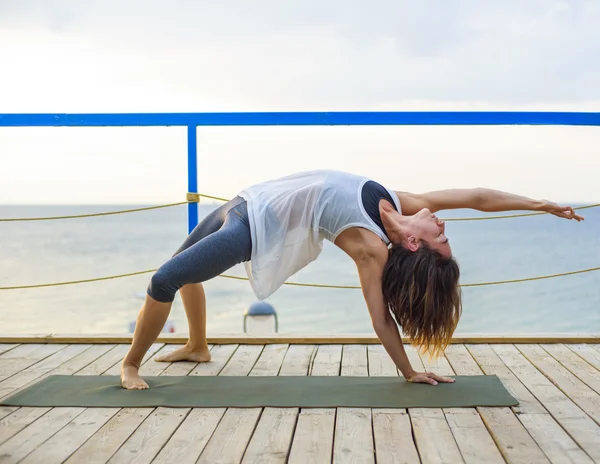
[[262, 391]]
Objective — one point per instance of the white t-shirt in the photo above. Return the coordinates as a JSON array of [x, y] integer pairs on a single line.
[[291, 216]]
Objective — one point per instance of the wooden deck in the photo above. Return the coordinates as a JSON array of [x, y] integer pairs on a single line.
[[558, 419]]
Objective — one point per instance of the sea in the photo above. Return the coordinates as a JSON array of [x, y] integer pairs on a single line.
[[49, 251]]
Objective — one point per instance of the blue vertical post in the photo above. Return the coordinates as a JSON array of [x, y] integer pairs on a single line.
[[192, 176]]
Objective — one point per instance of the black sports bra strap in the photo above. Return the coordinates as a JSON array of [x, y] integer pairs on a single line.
[[372, 193]]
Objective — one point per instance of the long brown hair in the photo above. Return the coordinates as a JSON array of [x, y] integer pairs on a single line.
[[421, 289]]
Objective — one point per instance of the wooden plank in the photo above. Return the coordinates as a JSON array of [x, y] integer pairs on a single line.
[[220, 356], [242, 361], [379, 362], [30, 375], [231, 437], [311, 339], [460, 361], [24, 427], [270, 360], [433, 436], [313, 439], [18, 420], [414, 358], [26, 352], [272, 438], [106, 438], [582, 429], [576, 365], [588, 353], [6, 410], [4, 347], [179, 368], [61, 445], [297, 360], [327, 360], [83, 360], [109, 359], [24, 338], [552, 439], [507, 432], [490, 363], [556, 444], [512, 438], [392, 431], [149, 438], [439, 365], [24, 356], [155, 431], [581, 394], [503, 338], [353, 441], [432, 432], [190, 438], [148, 367], [65, 362], [24, 442], [473, 439], [40, 368], [467, 424], [354, 360]]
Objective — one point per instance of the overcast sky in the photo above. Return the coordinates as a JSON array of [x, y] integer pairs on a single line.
[[158, 56]]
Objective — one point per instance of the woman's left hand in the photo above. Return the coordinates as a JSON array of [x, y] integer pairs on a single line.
[[428, 377], [561, 211]]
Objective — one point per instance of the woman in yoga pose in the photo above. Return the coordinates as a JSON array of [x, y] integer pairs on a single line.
[[403, 257]]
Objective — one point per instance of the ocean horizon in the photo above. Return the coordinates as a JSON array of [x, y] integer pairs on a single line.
[[39, 252]]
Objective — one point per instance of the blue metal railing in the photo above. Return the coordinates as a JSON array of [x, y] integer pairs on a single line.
[[193, 120]]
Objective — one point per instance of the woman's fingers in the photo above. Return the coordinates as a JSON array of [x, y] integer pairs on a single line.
[[430, 378], [567, 212], [440, 378], [423, 378]]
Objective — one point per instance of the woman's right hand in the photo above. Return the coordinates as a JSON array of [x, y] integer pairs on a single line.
[[561, 211], [428, 377]]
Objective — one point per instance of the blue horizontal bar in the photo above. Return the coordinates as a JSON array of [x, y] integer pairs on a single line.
[[305, 118]]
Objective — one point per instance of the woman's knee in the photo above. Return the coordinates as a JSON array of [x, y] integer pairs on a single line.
[[162, 287]]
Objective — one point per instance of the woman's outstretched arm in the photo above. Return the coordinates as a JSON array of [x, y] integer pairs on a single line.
[[370, 269], [481, 199]]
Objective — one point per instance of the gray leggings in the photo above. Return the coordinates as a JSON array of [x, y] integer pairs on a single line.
[[217, 243]]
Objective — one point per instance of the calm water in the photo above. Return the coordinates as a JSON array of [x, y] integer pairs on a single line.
[[50, 251]]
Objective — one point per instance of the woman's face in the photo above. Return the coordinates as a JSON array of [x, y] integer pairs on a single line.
[[410, 231], [427, 227]]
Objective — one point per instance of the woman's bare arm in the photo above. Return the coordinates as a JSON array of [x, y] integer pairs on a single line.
[[481, 199], [370, 269]]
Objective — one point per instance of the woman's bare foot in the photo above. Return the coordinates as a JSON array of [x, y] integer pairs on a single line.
[[130, 378], [187, 353]]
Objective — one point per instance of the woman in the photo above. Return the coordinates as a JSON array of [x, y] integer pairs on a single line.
[[276, 228]]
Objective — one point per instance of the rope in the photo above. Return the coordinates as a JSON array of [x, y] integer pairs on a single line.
[[211, 197], [48, 218], [300, 284], [195, 198], [56, 284]]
